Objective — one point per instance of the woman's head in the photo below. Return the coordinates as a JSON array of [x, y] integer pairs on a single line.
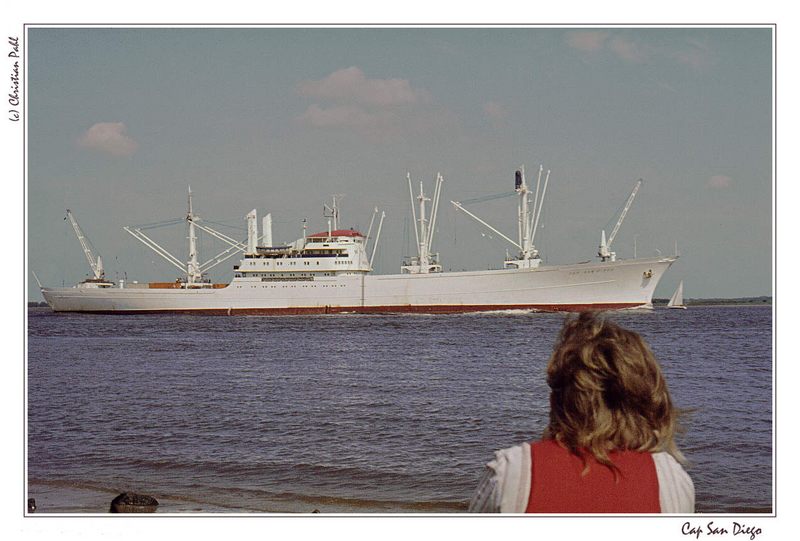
[[608, 392]]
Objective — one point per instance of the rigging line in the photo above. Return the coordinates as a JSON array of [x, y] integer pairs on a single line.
[[154, 225], [614, 217], [238, 228], [487, 198]]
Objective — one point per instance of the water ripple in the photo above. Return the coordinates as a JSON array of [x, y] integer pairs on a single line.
[[356, 413]]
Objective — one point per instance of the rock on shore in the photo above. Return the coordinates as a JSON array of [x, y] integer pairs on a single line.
[[129, 502]]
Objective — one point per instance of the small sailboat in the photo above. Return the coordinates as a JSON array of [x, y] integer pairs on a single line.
[[677, 298]]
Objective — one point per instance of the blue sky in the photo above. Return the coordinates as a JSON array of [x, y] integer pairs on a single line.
[[121, 121]]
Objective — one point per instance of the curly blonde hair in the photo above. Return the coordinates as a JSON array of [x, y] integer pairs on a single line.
[[608, 392]]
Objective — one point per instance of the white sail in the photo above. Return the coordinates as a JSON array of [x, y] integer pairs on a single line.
[[677, 298]]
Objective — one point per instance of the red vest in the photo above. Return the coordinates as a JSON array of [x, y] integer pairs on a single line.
[[557, 485]]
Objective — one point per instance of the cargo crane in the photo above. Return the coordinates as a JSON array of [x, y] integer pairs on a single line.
[[603, 251], [96, 264]]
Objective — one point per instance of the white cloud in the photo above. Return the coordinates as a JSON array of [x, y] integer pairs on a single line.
[[496, 113], [595, 41], [627, 49], [693, 53], [344, 115], [374, 107], [108, 137], [350, 85], [719, 182], [586, 40]]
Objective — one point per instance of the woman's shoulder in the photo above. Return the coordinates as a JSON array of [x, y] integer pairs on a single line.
[[511, 454], [675, 486], [505, 485]]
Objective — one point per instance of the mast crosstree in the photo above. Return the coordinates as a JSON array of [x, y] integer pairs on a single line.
[[193, 269]]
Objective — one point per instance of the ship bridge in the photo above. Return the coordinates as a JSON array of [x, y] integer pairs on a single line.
[[328, 253]]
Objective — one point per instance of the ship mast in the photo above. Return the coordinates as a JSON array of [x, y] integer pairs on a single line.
[[334, 214], [424, 228], [193, 269], [193, 274], [527, 220], [422, 248]]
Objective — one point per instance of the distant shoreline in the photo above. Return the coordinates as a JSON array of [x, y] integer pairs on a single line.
[[751, 301]]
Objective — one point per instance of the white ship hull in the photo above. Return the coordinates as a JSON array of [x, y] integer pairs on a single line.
[[588, 286]]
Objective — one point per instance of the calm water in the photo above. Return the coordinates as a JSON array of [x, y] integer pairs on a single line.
[[354, 413]]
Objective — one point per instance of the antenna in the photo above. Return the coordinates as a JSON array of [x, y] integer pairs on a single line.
[[332, 212]]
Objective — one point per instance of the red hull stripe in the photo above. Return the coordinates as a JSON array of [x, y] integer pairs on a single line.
[[415, 309]]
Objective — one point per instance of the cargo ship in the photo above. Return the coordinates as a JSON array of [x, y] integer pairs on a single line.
[[331, 271]]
